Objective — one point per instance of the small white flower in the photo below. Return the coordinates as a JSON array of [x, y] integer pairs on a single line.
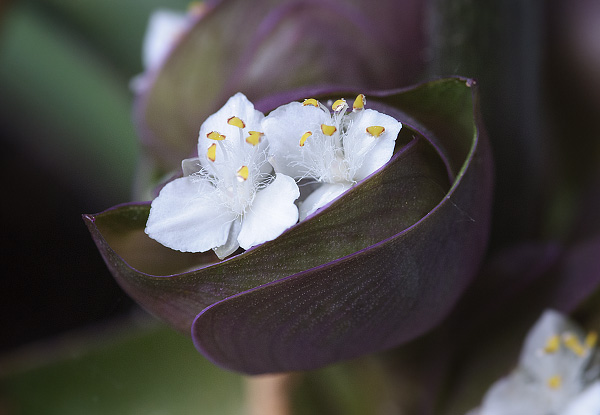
[[227, 198], [555, 376], [336, 149]]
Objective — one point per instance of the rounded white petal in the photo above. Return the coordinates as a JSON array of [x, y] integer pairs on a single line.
[[322, 195], [586, 403], [188, 216], [284, 127], [364, 152], [163, 29], [237, 106], [272, 212]]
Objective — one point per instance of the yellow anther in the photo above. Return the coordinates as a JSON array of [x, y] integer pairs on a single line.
[[328, 129], [304, 137], [212, 152], [242, 173], [213, 135], [573, 344], [591, 339], [254, 137], [236, 122], [311, 101], [375, 130], [554, 382], [338, 105], [552, 345], [359, 103]]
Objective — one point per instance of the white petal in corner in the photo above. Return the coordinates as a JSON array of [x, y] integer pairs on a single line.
[[380, 149], [550, 324], [272, 212], [188, 216], [321, 196], [586, 403]]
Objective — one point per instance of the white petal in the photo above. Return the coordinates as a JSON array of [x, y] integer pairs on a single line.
[[188, 216], [190, 166], [232, 243], [364, 152], [586, 403], [237, 106], [163, 29], [514, 395], [321, 196], [272, 212], [543, 365], [284, 127]]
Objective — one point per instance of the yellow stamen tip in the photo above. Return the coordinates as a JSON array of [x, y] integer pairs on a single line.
[[554, 382], [236, 122], [212, 152], [375, 130], [254, 137], [591, 339], [304, 137], [552, 345], [311, 101], [339, 105], [573, 344], [242, 173], [359, 103], [328, 129], [213, 135]]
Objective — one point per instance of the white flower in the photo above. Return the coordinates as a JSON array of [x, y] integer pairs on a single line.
[[336, 149], [555, 376], [227, 198]]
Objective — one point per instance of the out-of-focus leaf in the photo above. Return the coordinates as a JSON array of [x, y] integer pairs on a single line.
[[70, 105], [379, 266], [268, 46], [113, 28], [141, 371]]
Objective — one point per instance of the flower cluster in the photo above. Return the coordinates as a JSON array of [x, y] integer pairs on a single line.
[[229, 196], [556, 374]]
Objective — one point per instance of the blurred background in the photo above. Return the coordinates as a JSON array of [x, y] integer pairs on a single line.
[[69, 147]]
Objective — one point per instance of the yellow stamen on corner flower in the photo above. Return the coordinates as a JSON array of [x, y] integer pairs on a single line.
[[213, 135], [552, 345], [311, 101], [212, 152], [236, 122], [375, 130], [304, 138], [254, 137], [338, 105], [573, 344], [328, 129], [359, 103], [591, 339], [242, 173], [554, 382]]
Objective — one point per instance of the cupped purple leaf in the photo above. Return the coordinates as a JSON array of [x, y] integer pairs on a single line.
[[267, 46], [378, 266]]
